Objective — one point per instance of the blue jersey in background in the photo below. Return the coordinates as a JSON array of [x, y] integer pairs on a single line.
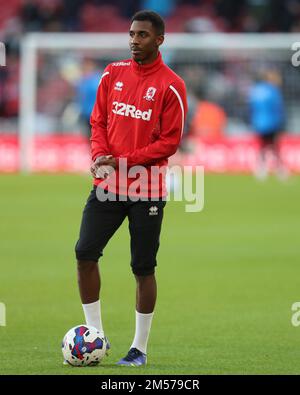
[[266, 107], [86, 93]]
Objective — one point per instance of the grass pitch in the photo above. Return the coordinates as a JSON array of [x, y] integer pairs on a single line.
[[227, 278]]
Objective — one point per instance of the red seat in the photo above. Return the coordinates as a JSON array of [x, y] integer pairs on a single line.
[[10, 10]]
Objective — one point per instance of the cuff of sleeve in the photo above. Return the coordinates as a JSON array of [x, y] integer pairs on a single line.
[[95, 156]]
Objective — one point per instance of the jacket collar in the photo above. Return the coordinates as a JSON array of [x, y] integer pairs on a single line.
[[146, 69]]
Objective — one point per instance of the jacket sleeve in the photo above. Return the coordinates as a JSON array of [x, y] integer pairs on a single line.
[[171, 128], [98, 119]]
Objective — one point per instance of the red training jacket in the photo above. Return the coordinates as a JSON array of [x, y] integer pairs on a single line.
[[139, 115]]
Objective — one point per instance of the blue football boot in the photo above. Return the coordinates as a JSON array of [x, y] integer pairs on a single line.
[[134, 358]]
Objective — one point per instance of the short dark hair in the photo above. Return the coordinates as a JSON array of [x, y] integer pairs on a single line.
[[151, 16]]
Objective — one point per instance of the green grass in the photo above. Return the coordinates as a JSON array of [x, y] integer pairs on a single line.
[[227, 278]]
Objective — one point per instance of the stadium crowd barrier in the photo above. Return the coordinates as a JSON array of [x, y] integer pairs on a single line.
[[71, 153]]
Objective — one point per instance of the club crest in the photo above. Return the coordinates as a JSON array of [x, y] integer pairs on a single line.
[[150, 94]]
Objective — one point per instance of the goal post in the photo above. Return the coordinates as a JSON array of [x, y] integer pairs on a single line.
[[221, 61], [30, 46]]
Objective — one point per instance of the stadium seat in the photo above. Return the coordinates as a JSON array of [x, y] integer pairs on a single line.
[[10, 10]]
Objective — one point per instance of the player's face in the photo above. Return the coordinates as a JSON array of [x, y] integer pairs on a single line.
[[144, 41]]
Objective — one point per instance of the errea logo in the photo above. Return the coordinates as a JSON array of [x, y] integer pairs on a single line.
[[119, 86], [153, 210], [128, 110]]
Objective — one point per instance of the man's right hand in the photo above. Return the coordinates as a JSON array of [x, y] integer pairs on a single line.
[[98, 170]]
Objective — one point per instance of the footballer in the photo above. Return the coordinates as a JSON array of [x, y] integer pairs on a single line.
[[138, 119]]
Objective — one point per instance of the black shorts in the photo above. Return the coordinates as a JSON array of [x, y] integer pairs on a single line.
[[100, 221]]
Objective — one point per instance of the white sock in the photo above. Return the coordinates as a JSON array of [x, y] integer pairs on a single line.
[[92, 313], [142, 330]]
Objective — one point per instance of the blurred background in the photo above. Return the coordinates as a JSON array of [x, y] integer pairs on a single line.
[[232, 48]]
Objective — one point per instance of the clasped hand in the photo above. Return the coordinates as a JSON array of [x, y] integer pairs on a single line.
[[103, 166]]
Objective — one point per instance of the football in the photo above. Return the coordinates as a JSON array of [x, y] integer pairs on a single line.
[[83, 345]]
